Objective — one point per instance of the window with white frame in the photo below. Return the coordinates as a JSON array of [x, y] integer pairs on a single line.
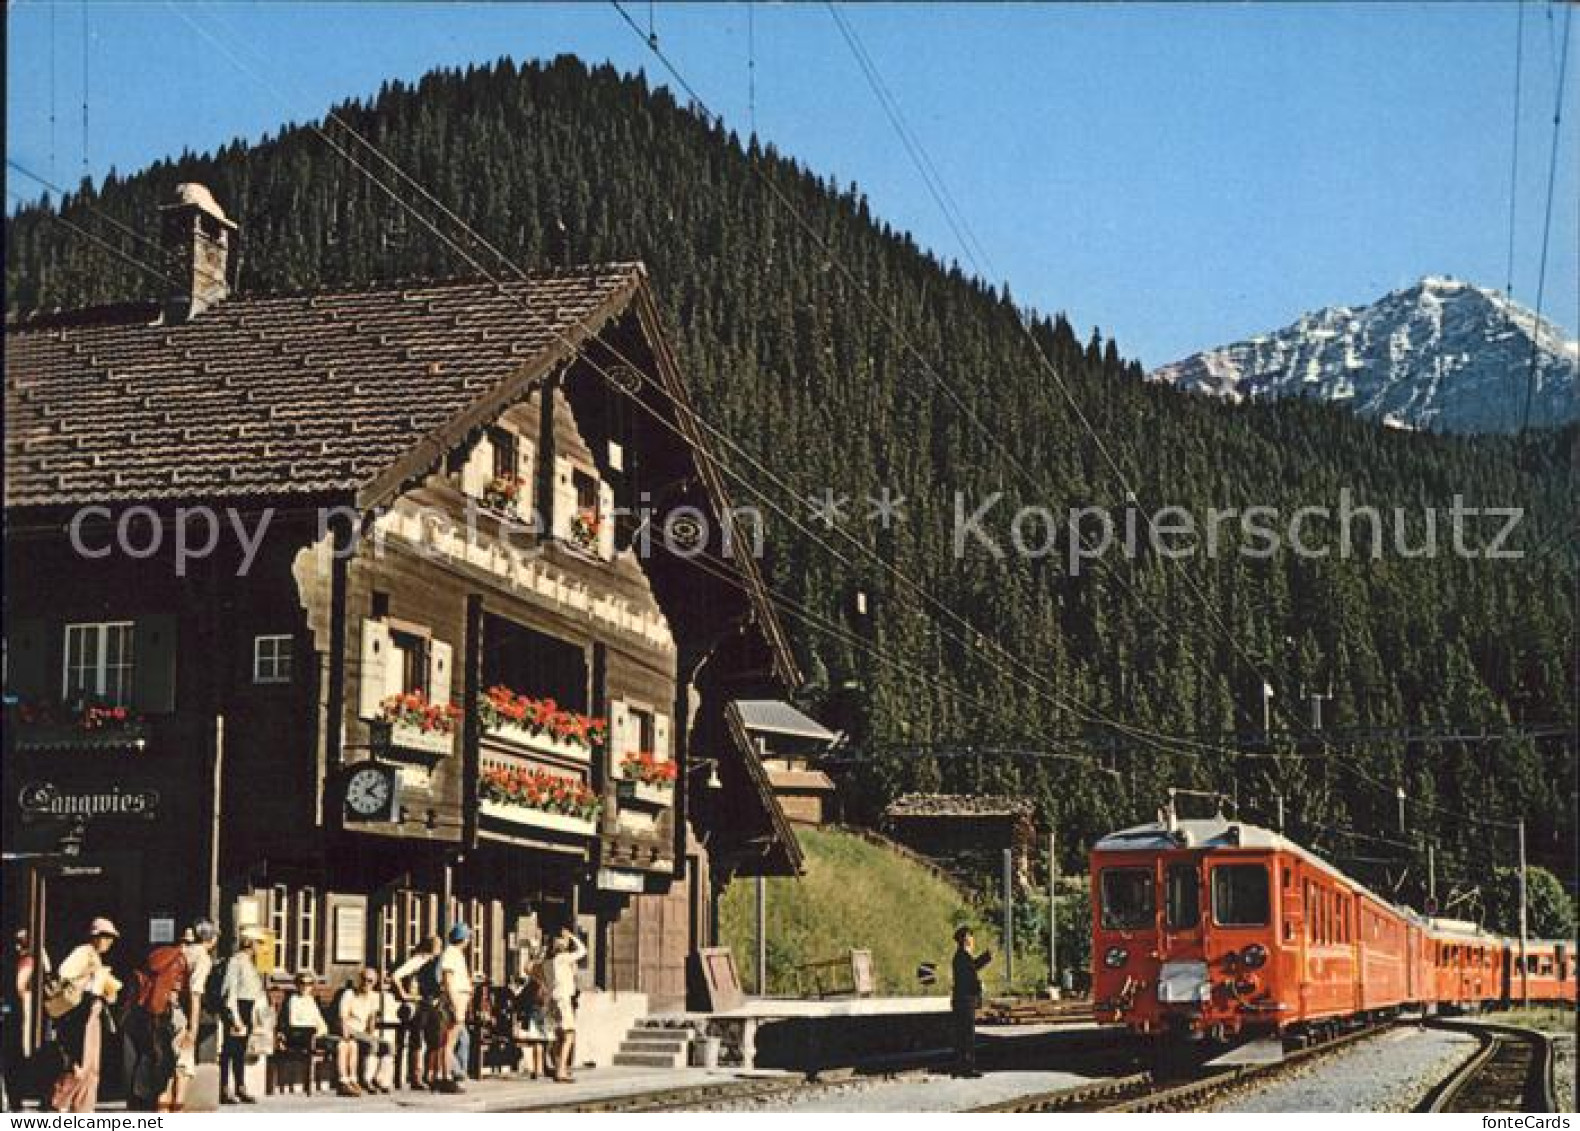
[[99, 662], [271, 659], [279, 921], [306, 929]]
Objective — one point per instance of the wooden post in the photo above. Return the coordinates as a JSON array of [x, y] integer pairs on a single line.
[[1525, 972], [217, 786], [1053, 913]]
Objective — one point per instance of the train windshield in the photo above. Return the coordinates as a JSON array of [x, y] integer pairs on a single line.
[[1182, 900], [1128, 900], [1240, 895]]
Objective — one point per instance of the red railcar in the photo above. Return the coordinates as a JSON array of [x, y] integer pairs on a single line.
[[1219, 929]]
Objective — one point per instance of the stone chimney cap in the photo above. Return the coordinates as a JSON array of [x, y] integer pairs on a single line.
[[190, 194]]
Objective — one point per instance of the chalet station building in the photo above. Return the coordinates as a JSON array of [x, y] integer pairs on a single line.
[[401, 705]]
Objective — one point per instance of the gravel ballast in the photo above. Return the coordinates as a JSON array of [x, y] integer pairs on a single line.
[[1391, 1072]]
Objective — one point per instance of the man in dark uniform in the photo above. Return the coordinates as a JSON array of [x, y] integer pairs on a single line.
[[964, 1000]]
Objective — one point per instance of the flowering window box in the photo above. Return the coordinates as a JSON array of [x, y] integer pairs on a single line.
[[539, 798], [540, 724], [646, 779], [538, 818], [64, 727], [586, 532], [504, 495], [404, 736]]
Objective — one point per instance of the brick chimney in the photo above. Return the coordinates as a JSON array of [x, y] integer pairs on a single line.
[[197, 238]]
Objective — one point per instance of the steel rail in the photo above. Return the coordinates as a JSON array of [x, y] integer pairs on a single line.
[[1512, 1065]]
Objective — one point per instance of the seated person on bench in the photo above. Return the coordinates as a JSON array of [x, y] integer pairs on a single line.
[[303, 1030], [358, 1012]]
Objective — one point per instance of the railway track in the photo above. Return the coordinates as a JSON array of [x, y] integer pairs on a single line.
[[1142, 1092], [723, 1093], [1512, 1071]]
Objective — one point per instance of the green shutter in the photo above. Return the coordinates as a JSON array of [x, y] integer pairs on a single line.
[[27, 653], [154, 664]]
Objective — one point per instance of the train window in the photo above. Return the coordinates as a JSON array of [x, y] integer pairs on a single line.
[[1239, 895], [1182, 897], [1289, 882], [1128, 899]]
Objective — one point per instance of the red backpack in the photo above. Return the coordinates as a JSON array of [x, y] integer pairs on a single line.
[[163, 974]]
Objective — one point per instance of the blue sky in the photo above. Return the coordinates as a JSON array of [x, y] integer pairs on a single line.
[[1179, 175]]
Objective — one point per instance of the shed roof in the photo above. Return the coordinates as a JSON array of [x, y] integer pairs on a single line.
[[958, 805], [774, 716]]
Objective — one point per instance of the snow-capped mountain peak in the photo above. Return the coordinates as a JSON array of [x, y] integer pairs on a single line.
[[1443, 354]]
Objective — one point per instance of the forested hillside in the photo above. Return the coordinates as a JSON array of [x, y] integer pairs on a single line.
[[556, 164]]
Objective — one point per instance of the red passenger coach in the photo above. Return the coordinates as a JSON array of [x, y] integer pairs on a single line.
[[1221, 929]]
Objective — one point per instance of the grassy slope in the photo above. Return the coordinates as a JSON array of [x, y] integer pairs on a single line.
[[854, 894]]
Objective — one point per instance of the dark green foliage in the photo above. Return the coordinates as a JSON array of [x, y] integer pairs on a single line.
[[555, 164]]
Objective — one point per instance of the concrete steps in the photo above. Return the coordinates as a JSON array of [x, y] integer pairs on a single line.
[[650, 1046]]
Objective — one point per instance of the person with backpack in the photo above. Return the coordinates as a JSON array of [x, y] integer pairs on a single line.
[[151, 1027], [200, 972], [417, 982], [75, 997]]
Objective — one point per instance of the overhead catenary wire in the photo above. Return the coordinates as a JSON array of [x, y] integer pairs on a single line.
[[1514, 141], [156, 248], [1046, 691], [1547, 220], [427, 223], [949, 391]]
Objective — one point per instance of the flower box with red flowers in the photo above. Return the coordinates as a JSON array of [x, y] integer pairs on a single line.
[[419, 725], [539, 724], [586, 526], [530, 796], [79, 726], [504, 493], [647, 779]]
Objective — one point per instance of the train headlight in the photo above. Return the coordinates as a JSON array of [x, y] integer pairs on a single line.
[[1115, 957], [1254, 956]]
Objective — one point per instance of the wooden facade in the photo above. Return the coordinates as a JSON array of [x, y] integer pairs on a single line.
[[394, 568]]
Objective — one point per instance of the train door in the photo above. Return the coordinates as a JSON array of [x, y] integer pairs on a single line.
[[1292, 932]]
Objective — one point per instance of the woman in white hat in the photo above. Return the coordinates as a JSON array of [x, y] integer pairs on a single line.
[[86, 976]]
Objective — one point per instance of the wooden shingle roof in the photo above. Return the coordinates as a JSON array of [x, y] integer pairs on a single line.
[[306, 394]]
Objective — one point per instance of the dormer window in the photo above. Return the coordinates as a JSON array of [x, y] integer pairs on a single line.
[[503, 442]]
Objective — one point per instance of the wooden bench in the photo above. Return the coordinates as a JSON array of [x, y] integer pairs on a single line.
[[851, 975]]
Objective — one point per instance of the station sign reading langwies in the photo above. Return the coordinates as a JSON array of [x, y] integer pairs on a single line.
[[46, 799]]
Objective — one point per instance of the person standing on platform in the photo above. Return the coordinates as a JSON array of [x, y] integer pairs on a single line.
[[965, 998], [455, 998], [85, 985], [199, 953], [240, 993], [560, 971]]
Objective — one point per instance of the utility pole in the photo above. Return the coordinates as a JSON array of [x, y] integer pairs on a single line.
[[1267, 711], [1009, 917], [1399, 793], [1431, 878], [1053, 913], [1279, 794], [1525, 973]]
